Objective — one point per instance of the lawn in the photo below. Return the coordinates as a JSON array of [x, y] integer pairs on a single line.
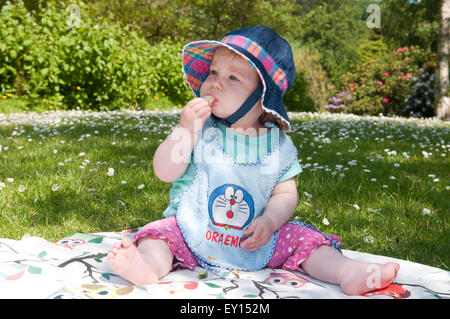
[[381, 184]]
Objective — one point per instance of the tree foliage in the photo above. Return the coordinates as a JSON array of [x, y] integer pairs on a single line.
[[336, 32], [199, 19], [406, 22], [331, 39]]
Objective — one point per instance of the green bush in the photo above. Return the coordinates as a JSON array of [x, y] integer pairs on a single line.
[[297, 99], [419, 102], [310, 89], [165, 59], [371, 50], [54, 61], [379, 85]]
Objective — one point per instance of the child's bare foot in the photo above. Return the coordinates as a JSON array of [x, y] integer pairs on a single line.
[[358, 278], [129, 263]]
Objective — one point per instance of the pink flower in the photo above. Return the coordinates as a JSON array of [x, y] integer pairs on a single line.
[[406, 59], [380, 83], [402, 49], [408, 75], [403, 77], [385, 100], [386, 74]]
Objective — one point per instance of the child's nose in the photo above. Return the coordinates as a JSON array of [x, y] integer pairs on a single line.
[[216, 84]]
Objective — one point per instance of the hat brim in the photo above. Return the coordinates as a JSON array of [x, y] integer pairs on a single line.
[[197, 58]]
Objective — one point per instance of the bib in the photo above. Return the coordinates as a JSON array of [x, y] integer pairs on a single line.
[[225, 196]]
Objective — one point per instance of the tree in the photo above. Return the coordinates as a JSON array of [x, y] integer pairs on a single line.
[[189, 20], [335, 29], [442, 72], [407, 23]]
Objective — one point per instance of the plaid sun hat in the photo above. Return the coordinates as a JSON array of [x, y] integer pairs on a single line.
[[265, 50]]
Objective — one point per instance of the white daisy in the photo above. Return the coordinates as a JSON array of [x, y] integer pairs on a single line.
[[110, 171], [369, 239]]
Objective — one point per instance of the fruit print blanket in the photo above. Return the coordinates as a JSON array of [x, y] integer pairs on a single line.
[[76, 267]]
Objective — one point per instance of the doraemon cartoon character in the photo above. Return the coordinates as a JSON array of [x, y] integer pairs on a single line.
[[231, 206]]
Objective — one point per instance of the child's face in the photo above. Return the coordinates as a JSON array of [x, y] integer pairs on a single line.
[[231, 80]]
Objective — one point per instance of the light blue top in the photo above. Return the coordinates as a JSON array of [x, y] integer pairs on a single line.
[[241, 148]]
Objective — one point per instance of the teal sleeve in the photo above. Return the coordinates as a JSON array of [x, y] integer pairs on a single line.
[[294, 170]]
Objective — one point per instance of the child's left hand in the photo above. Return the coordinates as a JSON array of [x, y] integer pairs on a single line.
[[262, 229]]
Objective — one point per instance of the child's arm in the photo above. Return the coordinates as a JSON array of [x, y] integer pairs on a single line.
[[172, 156], [278, 211]]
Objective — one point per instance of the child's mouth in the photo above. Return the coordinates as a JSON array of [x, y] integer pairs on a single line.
[[210, 99]]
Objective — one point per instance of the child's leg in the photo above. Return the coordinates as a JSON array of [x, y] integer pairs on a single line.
[[142, 265], [354, 277]]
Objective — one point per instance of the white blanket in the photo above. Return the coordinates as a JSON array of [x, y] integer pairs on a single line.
[[76, 267]]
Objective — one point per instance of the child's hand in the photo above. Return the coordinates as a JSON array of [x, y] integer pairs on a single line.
[[262, 229], [194, 114]]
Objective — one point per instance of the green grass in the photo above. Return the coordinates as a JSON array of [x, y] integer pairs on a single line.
[[368, 177]]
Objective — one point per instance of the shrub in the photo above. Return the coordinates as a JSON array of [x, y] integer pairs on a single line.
[[371, 50], [380, 85], [297, 99], [92, 64], [419, 103], [311, 86], [165, 59]]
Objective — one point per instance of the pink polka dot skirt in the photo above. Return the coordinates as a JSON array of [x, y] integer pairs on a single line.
[[295, 243]]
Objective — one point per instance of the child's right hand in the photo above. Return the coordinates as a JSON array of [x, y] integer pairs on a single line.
[[194, 114]]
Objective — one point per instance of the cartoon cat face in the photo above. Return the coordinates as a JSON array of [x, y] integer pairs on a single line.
[[231, 206]]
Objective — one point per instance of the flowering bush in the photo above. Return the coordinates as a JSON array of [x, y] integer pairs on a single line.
[[419, 102], [380, 85], [338, 101]]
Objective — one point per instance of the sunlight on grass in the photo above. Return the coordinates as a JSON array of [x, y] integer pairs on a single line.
[[380, 184]]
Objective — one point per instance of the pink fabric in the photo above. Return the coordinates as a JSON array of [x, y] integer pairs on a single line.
[[167, 228], [294, 245]]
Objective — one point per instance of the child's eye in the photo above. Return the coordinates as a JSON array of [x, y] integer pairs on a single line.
[[213, 72], [233, 78]]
